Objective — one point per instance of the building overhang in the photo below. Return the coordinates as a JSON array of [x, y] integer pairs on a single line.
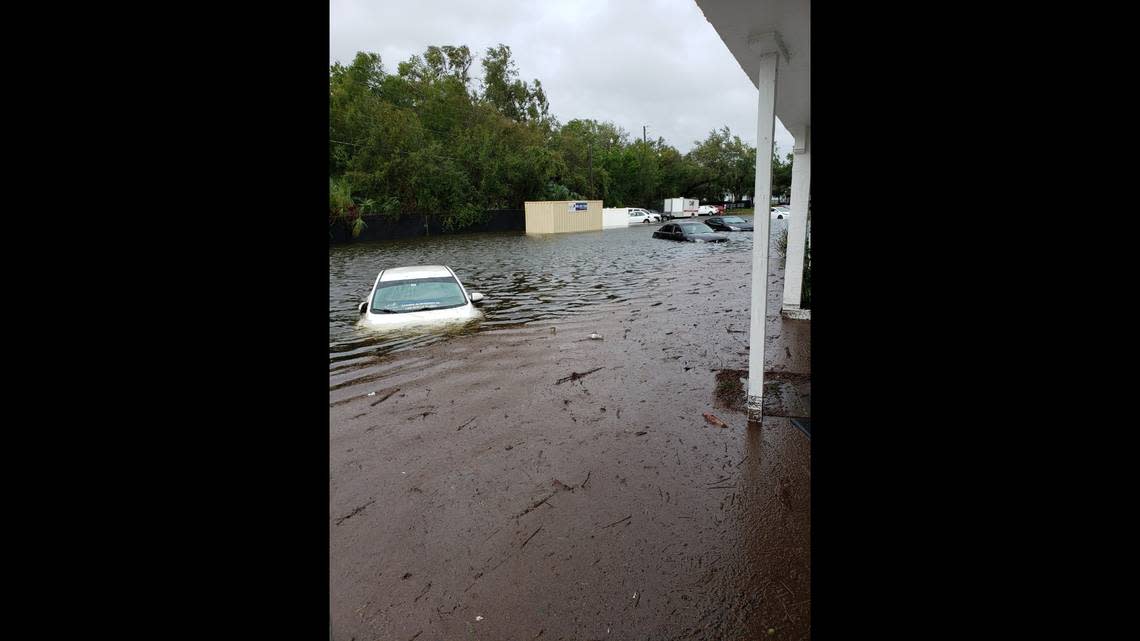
[[752, 29]]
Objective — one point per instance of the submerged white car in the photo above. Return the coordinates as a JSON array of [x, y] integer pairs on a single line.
[[422, 295]]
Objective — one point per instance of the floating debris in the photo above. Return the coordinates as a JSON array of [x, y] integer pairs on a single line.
[[711, 419], [576, 375], [384, 397]]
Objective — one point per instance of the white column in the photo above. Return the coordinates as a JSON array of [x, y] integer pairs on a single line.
[[797, 220], [762, 201]]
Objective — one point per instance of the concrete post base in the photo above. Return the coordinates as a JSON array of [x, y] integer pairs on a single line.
[[755, 409], [795, 313]]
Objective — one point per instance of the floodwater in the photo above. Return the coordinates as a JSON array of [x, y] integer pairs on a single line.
[[519, 480], [524, 278]]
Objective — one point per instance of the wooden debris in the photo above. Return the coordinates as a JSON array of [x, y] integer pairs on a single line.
[[354, 512], [576, 376], [530, 537], [711, 419], [385, 397], [616, 522]]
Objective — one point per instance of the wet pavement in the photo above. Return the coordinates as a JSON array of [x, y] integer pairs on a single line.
[[519, 480]]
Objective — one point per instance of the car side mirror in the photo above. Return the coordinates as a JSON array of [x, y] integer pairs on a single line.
[[476, 297], [361, 307]]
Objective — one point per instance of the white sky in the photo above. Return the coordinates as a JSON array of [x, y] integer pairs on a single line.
[[631, 62]]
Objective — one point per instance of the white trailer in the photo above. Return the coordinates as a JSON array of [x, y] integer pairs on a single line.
[[681, 207]]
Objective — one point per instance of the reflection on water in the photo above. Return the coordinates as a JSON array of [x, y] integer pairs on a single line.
[[524, 279]]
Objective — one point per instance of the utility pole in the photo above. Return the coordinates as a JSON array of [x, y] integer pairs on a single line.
[[590, 158], [644, 149]]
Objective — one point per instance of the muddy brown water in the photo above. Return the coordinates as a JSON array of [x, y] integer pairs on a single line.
[[524, 278], [486, 492]]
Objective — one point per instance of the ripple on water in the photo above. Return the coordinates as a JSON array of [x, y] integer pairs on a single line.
[[525, 279]]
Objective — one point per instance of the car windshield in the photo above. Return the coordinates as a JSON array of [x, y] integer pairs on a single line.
[[417, 295], [696, 228], [733, 219]]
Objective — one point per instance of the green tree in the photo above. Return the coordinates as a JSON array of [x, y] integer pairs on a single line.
[[781, 176], [502, 89], [343, 209], [741, 176], [450, 61], [423, 141], [725, 165]]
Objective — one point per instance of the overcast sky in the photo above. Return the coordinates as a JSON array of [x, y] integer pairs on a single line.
[[634, 62]]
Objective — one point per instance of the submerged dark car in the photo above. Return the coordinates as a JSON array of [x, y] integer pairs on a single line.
[[729, 223], [690, 232]]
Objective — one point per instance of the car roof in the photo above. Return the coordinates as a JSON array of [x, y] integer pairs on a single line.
[[418, 271]]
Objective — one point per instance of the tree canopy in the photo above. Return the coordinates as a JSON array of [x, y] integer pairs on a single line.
[[431, 140]]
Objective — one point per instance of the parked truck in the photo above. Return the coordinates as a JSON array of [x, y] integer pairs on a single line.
[[681, 207]]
